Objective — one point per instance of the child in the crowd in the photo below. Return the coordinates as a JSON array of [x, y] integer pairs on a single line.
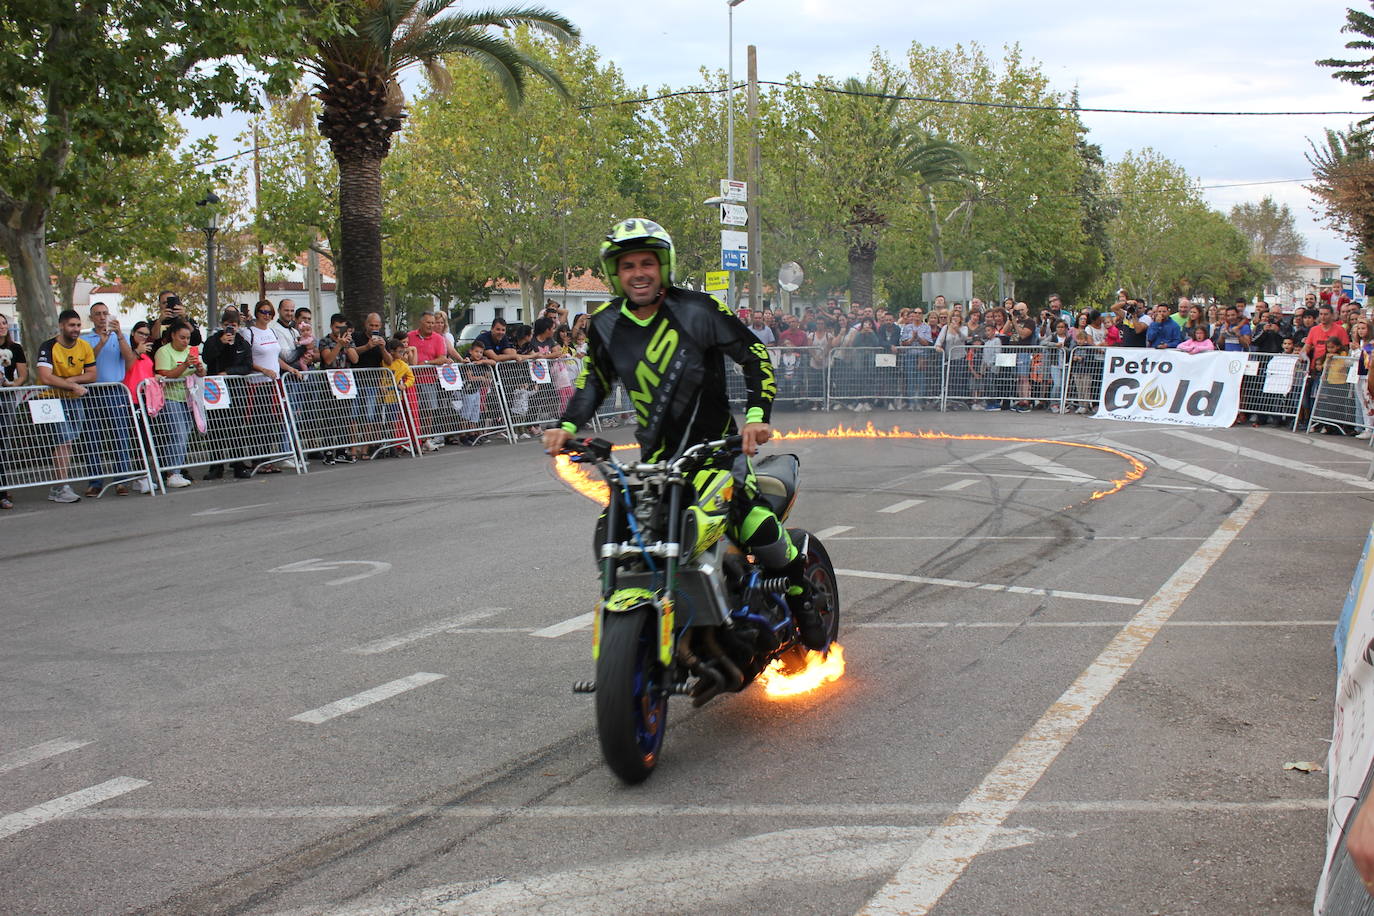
[[1199, 342]]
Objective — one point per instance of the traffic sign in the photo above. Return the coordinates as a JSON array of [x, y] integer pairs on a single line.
[[734, 250], [737, 191], [717, 279], [734, 215]]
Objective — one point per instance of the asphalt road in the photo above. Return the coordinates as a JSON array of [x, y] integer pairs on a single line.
[[172, 737]]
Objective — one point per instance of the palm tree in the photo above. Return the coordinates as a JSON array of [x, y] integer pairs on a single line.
[[873, 156], [358, 68]]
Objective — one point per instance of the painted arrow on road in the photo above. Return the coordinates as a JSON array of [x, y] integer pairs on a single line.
[[317, 565]]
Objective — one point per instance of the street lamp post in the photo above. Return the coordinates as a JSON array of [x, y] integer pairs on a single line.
[[730, 120], [210, 228]]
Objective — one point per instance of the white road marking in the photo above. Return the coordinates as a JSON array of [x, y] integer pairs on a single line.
[[1256, 455], [375, 567], [901, 506], [387, 643], [990, 587], [562, 628], [1214, 478], [232, 510], [853, 811], [1354, 451], [1041, 477], [741, 873], [1024, 537], [366, 698], [959, 485], [1041, 463], [11, 824], [28, 755], [833, 530], [942, 858], [1013, 624]]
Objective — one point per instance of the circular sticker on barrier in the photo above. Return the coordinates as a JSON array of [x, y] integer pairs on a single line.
[[215, 393], [539, 371], [448, 374], [341, 384]]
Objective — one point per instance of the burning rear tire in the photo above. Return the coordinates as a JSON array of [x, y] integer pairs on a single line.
[[820, 572], [631, 712]]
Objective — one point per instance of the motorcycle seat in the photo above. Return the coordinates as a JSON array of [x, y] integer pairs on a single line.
[[777, 481]]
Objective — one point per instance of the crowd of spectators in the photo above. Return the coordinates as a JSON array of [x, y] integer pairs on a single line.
[[266, 342], [972, 337], [851, 356]]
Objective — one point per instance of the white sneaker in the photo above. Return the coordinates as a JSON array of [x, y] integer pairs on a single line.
[[63, 494], [977, 406], [292, 464], [141, 485], [436, 443], [430, 446], [1365, 435], [176, 481]]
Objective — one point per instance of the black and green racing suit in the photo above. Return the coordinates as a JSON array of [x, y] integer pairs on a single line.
[[673, 368]]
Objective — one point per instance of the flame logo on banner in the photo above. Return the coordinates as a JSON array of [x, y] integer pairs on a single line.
[[1153, 397]]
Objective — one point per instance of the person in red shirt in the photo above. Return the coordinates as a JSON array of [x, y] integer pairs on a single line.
[[431, 349], [791, 333], [1326, 329]]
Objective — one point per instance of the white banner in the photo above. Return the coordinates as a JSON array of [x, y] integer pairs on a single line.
[[1352, 734], [1170, 386]]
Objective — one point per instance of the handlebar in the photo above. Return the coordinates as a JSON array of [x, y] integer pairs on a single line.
[[599, 450]]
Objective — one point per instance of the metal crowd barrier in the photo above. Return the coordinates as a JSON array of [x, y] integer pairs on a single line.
[[923, 373], [799, 374], [1273, 386], [862, 378], [1004, 376], [1083, 386], [535, 392], [1337, 401], [222, 419], [460, 399], [336, 409], [48, 439]]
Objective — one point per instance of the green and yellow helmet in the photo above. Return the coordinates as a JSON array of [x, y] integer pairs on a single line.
[[637, 234]]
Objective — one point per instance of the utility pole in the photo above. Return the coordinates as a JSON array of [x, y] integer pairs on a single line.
[[755, 261], [257, 216]]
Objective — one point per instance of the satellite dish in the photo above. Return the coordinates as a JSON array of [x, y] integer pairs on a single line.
[[790, 276]]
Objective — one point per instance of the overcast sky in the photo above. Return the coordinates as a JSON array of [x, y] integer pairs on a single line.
[[1203, 56]]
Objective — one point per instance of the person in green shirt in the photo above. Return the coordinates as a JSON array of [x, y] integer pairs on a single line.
[[176, 360]]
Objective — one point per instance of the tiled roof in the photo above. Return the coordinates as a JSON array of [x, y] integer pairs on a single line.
[[582, 283], [1302, 261]]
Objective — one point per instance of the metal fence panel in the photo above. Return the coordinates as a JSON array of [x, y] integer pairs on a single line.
[[998, 377], [219, 420], [1273, 385], [335, 409], [1338, 401], [862, 378], [47, 439], [536, 391], [1083, 388], [798, 372], [923, 377], [460, 399]]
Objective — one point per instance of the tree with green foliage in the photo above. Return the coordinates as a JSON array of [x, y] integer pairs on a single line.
[[1343, 180], [358, 69], [503, 195], [1272, 234], [1358, 71], [297, 202], [85, 83]]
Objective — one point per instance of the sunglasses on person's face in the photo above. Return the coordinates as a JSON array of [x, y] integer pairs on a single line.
[[266, 312]]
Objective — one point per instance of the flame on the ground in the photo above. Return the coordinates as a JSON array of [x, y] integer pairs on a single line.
[[580, 478], [819, 670]]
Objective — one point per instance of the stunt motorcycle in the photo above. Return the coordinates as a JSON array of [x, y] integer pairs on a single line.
[[683, 610]]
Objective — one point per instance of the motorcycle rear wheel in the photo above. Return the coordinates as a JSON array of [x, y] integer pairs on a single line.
[[820, 572], [631, 713]]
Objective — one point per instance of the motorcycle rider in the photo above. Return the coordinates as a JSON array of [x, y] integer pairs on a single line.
[[666, 345]]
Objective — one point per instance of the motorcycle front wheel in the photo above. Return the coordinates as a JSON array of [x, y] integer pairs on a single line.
[[631, 712]]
